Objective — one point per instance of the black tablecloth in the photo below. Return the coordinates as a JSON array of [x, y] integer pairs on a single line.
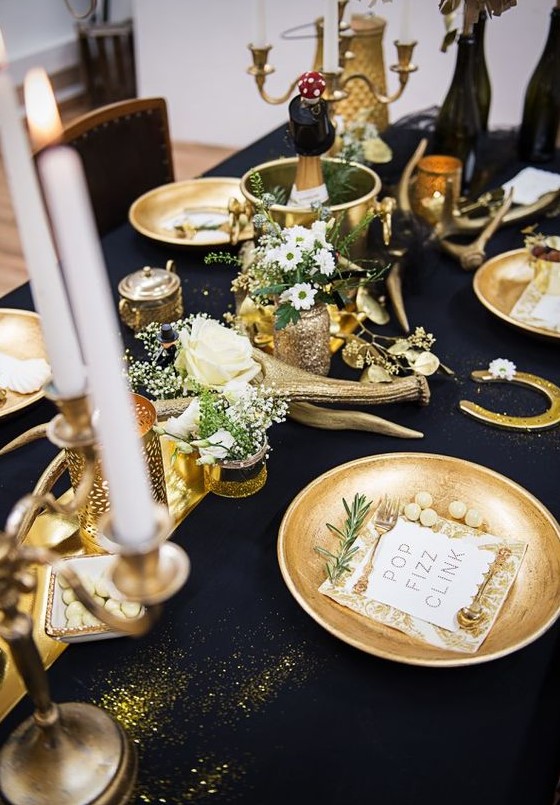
[[237, 694]]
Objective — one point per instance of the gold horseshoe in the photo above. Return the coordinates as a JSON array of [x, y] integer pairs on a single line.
[[549, 419]]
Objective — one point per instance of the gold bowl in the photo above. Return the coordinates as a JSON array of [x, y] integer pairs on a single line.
[[366, 184], [509, 511]]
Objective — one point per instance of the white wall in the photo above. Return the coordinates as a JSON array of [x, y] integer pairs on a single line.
[[195, 54], [41, 32]]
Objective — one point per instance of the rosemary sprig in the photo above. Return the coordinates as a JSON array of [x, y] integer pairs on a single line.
[[339, 563]]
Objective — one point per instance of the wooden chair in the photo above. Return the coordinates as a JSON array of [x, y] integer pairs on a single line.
[[126, 150], [107, 58]]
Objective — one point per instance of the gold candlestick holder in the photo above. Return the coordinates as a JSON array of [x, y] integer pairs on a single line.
[[404, 67], [74, 753], [261, 68]]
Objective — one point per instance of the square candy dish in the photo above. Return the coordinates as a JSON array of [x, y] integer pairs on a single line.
[[70, 622]]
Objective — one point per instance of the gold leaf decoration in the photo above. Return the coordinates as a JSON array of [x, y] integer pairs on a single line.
[[367, 304], [426, 364]]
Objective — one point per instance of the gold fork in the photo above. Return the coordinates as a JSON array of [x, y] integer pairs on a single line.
[[384, 519]]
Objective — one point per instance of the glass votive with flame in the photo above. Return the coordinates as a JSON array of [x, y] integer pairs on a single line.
[[434, 174]]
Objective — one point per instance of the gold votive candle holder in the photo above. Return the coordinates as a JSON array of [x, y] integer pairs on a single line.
[[98, 500], [237, 479], [434, 174]]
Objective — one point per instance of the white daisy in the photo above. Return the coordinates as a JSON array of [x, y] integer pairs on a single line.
[[502, 368], [319, 232], [301, 296], [288, 256], [325, 261]]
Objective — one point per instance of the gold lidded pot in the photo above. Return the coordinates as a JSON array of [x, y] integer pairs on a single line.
[[151, 294]]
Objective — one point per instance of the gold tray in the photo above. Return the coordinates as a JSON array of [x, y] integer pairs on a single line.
[[532, 605], [499, 283], [193, 200], [20, 337], [59, 533]]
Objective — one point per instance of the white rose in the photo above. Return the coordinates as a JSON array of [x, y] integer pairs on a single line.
[[236, 390], [214, 447], [182, 426], [212, 354]]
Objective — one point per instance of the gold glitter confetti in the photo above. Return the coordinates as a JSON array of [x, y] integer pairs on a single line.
[[171, 696]]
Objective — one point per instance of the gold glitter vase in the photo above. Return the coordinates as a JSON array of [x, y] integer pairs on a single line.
[[306, 342], [237, 479], [98, 500]]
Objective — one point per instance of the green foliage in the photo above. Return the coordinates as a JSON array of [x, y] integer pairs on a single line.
[[339, 563]]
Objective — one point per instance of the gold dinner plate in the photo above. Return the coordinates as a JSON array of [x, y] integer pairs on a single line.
[[20, 337], [195, 203], [499, 283], [532, 605]]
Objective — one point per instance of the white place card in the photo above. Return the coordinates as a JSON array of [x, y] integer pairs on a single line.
[[426, 574], [537, 309], [460, 539]]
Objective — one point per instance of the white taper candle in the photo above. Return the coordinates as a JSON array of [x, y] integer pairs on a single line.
[[69, 205], [330, 36], [47, 286]]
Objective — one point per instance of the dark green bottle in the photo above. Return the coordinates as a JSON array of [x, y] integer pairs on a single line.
[[541, 109], [457, 128], [481, 77]]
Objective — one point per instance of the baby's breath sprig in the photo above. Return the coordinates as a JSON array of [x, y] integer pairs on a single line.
[[356, 513]]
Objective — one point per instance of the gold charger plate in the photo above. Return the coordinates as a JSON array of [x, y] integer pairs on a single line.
[[20, 337], [498, 284], [196, 202], [532, 605]]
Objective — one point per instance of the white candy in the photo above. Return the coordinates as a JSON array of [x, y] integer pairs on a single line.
[[75, 609], [68, 595], [473, 518], [112, 605], [412, 511], [423, 499], [428, 517], [90, 620], [102, 587], [74, 623], [457, 509], [130, 609], [62, 582], [88, 584]]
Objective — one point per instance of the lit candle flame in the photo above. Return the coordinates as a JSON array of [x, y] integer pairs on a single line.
[[45, 126]]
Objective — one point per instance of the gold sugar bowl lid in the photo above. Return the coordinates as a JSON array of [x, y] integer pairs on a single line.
[[150, 284]]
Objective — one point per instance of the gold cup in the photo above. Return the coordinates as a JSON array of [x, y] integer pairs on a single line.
[[98, 500], [434, 175]]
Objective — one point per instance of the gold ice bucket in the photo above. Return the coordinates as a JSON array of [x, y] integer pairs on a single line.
[[352, 208], [98, 500]]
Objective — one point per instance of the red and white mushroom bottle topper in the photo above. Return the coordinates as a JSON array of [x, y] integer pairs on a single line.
[[311, 86]]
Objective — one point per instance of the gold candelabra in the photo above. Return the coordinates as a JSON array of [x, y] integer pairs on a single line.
[[336, 83], [74, 753]]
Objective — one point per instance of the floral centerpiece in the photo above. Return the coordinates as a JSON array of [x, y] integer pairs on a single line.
[[229, 413], [299, 270], [226, 425]]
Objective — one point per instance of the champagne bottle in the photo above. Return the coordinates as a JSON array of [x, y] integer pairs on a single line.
[[481, 78], [541, 108], [312, 134], [457, 127]]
